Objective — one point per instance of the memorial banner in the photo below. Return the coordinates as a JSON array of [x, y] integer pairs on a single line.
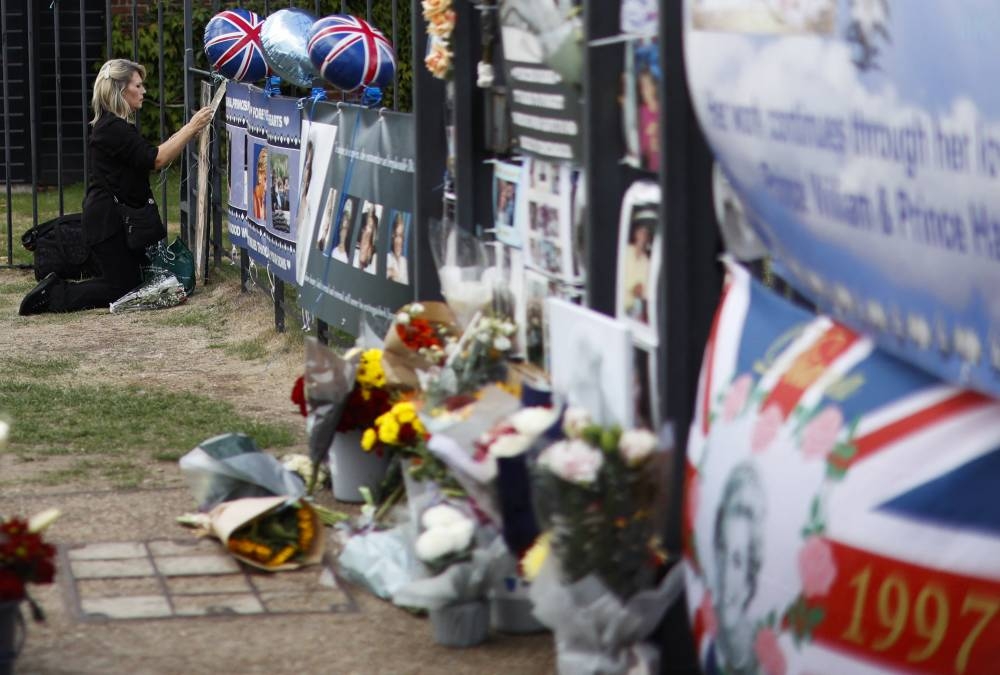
[[864, 139], [237, 109], [360, 260], [274, 135]]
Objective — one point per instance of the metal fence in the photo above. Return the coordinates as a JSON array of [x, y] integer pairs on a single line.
[[50, 55]]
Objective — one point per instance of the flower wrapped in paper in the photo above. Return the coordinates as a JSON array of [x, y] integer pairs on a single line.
[[25, 557], [420, 338], [160, 292], [269, 533]]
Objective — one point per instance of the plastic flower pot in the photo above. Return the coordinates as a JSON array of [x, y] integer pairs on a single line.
[[351, 468], [463, 624], [12, 633]]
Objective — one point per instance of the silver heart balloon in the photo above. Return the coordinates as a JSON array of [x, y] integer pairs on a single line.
[[284, 37]]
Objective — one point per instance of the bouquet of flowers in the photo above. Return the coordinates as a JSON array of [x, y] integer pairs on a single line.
[[159, 292], [421, 337], [269, 533], [440, 18], [601, 588], [369, 398], [25, 558]]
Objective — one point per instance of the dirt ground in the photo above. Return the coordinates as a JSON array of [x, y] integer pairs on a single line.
[[137, 348]]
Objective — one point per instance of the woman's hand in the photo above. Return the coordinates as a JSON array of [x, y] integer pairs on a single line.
[[202, 118]]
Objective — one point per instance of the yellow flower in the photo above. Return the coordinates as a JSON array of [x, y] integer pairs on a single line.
[[407, 415], [534, 558], [418, 426], [370, 372], [388, 432], [368, 440]]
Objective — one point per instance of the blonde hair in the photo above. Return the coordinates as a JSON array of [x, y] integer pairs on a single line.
[[112, 79]]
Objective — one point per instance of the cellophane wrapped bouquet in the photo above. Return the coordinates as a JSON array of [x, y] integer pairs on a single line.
[[598, 570]]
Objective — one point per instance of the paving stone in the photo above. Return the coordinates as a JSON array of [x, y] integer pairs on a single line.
[[113, 587], [197, 565], [231, 583], [97, 569], [291, 603], [168, 547], [108, 551], [133, 607], [201, 605]]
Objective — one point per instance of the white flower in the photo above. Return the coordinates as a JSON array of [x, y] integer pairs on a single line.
[[447, 531], [501, 344], [636, 445], [483, 337], [573, 461], [416, 308], [4, 433], [533, 421], [403, 318], [40, 521], [507, 328], [441, 515], [870, 14], [510, 445], [575, 420]]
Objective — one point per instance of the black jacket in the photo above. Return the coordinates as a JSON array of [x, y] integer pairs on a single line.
[[120, 162]]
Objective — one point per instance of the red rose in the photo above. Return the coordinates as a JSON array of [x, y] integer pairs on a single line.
[[11, 586], [299, 395], [45, 572], [407, 434]]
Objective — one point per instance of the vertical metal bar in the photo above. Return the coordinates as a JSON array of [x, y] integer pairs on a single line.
[[6, 134], [83, 92], [216, 201], [343, 6], [316, 8], [107, 30], [368, 10], [395, 40], [59, 129], [32, 116], [135, 32], [186, 184], [164, 207], [279, 305]]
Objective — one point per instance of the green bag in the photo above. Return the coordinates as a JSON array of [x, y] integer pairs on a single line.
[[175, 259]]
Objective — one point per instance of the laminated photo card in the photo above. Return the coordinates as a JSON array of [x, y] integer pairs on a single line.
[[506, 179], [594, 365], [544, 215], [639, 261]]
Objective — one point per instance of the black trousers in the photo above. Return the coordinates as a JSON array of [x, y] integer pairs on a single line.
[[121, 271]]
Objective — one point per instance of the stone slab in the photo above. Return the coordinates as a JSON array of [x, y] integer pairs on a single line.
[[200, 585], [102, 569], [215, 605], [197, 565], [166, 547], [108, 551], [131, 607]]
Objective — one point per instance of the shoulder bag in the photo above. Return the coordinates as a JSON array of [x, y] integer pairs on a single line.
[[143, 226]]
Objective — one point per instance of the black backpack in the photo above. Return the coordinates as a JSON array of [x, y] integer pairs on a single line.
[[59, 246]]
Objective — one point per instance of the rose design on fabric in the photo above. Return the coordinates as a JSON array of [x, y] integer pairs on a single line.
[[816, 567], [769, 655], [766, 429], [820, 434], [736, 397]]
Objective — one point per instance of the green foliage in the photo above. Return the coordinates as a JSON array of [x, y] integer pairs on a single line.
[[173, 52]]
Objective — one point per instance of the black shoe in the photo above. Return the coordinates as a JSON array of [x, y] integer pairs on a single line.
[[37, 299]]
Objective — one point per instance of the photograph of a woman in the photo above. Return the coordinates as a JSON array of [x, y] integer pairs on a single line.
[[260, 183], [121, 161], [396, 264], [326, 225], [636, 260], [343, 234], [304, 214], [366, 253], [639, 261]]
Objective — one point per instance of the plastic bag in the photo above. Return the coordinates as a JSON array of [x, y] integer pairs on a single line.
[[175, 259], [382, 561], [231, 466]]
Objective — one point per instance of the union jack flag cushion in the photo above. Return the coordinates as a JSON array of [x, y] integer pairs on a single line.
[[351, 53], [841, 510], [232, 44]]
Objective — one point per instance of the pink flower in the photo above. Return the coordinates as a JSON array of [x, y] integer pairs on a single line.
[[573, 461], [736, 397], [820, 434], [766, 429], [816, 567], [769, 655], [706, 612]]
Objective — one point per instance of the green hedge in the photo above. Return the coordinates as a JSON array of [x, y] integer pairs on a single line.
[[173, 50]]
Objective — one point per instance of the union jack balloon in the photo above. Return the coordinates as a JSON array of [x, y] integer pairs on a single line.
[[351, 53], [232, 44]]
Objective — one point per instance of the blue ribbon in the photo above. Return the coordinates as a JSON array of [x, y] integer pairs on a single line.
[[371, 97], [272, 86]]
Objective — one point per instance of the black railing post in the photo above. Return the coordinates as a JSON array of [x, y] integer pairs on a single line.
[[57, 53], [6, 133], [163, 107], [83, 92], [32, 110], [187, 193]]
